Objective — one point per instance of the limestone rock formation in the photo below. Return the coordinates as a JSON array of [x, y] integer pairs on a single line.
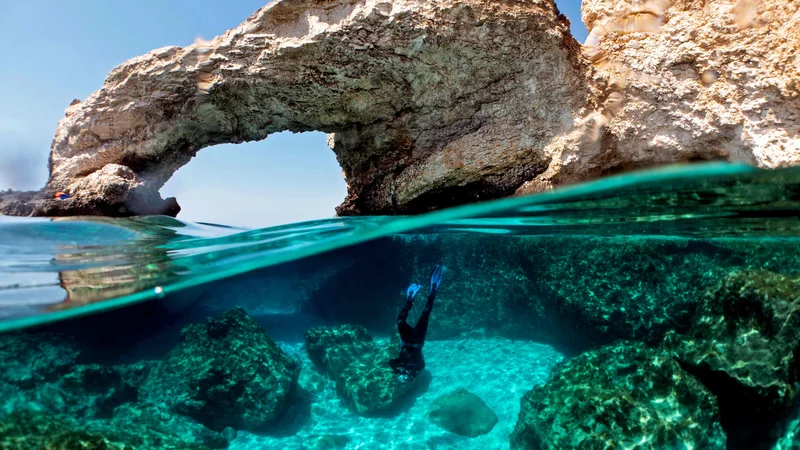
[[36, 430], [463, 413], [436, 103], [51, 401], [745, 346], [369, 386], [333, 349], [227, 373], [29, 359], [430, 103], [711, 80], [625, 395]]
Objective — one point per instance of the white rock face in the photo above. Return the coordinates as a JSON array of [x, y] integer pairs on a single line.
[[431, 103], [719, 80], [436, 103]]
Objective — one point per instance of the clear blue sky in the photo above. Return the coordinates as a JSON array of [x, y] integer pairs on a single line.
[[56, 51]]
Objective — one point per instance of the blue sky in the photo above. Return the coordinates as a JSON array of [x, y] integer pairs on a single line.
[[56, 51]]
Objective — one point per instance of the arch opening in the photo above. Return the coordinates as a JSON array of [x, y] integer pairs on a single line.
[[288, 177]]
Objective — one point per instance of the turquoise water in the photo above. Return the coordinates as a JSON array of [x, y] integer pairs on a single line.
[[650, 310]]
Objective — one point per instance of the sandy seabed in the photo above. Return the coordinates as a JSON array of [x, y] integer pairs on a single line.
[[499, 371]]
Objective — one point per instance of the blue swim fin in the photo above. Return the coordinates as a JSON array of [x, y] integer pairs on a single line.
[[436, 276], [412, 290]]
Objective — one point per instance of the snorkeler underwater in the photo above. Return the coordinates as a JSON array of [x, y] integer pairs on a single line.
[[405, 225], [410, 362]]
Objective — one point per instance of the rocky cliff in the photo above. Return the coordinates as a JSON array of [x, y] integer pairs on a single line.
[[435, 103]]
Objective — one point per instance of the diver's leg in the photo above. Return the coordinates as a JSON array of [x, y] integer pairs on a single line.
[[421, 328], [402, 325]]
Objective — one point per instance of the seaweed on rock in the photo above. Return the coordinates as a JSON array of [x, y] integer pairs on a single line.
[[744, 345], [227, 373], [365, 382], [41, 431], [332, 349], [626, 394]]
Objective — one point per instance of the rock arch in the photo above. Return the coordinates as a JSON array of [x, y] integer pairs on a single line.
[[435, 103], [429, 104]]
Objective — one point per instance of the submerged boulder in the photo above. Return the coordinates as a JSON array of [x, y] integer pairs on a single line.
[[333, 349], [155, 421], [626, 395], [744, 345], [94, 390], [226, 373], [463, 413], [365, 382], [29, 359], [369, 386], [30, 430]]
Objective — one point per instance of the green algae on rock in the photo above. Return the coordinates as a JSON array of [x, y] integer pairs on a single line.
[[744, 346], [32, 358], [94, 390], [227, 373], [626, 394], [333, 349], [53, 382], [40, 431], [463, 413], [153, 420]]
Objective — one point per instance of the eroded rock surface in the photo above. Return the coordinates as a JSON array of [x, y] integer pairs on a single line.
[[711, 80], [368, 386], [333, 349], [431, 103], [227, 373], [625, 395], [745, 346], [463, 413]]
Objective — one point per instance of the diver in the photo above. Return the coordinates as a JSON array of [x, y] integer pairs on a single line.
[[410, 362]]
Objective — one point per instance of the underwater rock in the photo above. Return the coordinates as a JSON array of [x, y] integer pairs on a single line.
[[790, 436], [744, 346], [463, 413], [333, 349], [573, 292], [626, 394], [431, 104], [38, 373], [28, 359], [30, 430], [93, 391], [311, 381], [369, 386], [156, 421], [226, 373], [329, 442]]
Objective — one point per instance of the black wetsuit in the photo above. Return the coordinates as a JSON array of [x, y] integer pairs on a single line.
[[410, 362]]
